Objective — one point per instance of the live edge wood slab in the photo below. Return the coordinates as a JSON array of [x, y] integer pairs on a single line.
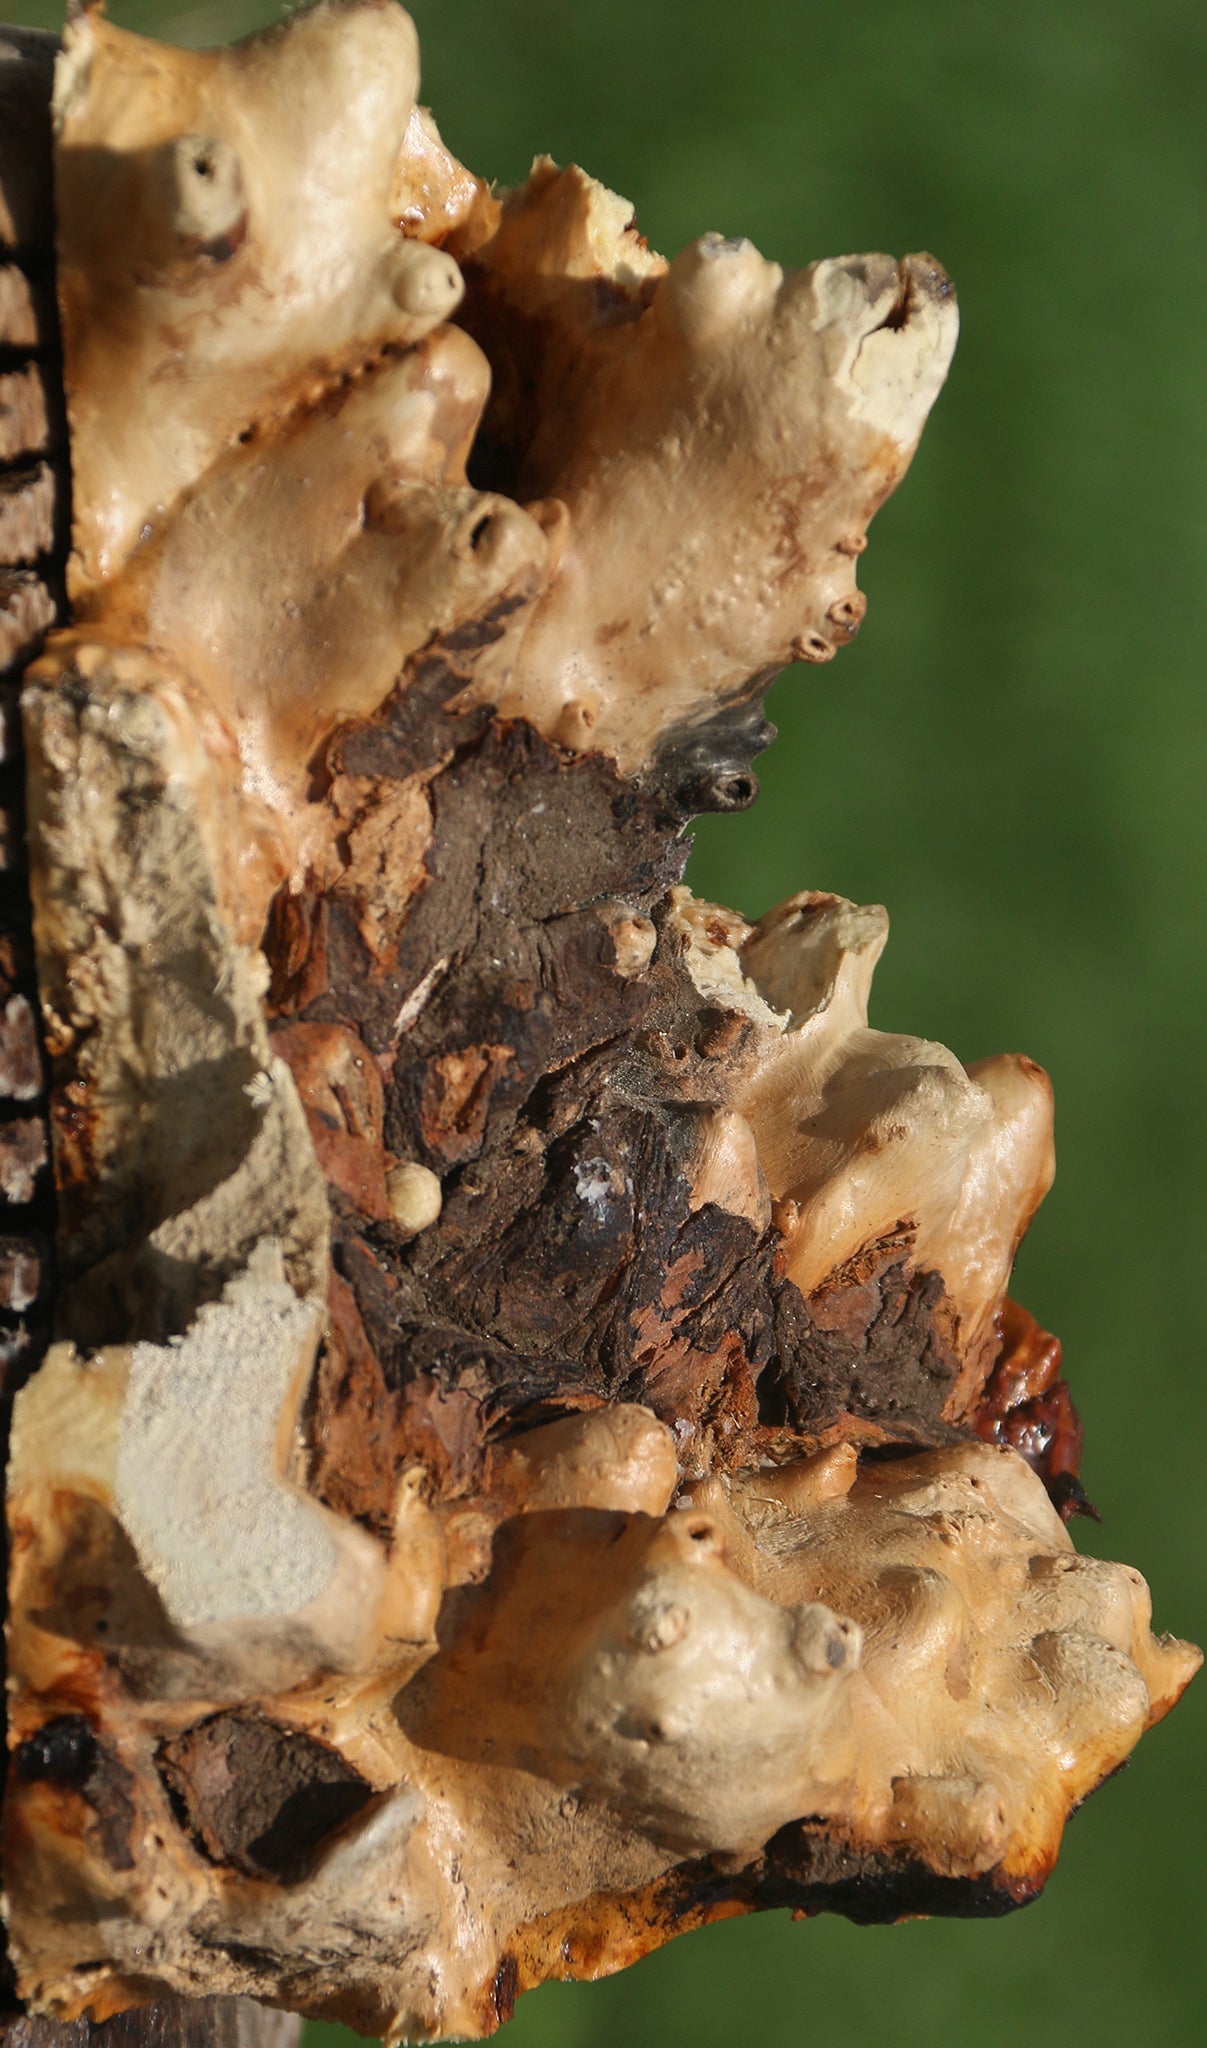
[[519, 1441]]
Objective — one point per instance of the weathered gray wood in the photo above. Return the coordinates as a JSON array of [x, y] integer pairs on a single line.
[[26, 610], [173, 2023], [27, 316], [24, 413], [28, 500]]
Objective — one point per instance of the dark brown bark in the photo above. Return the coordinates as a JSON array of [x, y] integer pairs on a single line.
[[560, 1102]]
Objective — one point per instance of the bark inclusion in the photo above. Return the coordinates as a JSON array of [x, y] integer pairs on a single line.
[[535, 1451]]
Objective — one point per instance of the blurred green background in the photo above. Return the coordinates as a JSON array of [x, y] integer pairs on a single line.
[[1013, 757]]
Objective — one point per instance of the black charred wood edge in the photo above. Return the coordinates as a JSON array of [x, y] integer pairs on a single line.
[[707, 766], [805, 1869]]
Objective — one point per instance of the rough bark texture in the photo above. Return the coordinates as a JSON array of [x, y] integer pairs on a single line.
[[34, 518], [172, 2023], [535, 1451], [34, 524]]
